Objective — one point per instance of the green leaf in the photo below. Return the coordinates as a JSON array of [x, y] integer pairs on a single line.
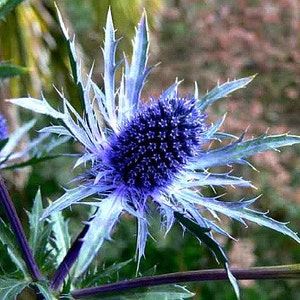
[[7, 238], [203, 235], [61, 235], [35, 225], [11, 288], [237, 151], [8, 70], [96, 276], [39, 235], [7, 5], [221, 91], [45, 290]]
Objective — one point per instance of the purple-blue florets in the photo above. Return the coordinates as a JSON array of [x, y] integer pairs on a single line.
[[156, 143], [3, 128]]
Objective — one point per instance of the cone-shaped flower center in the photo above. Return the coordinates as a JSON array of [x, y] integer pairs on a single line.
[[156, 143], [3, 128]]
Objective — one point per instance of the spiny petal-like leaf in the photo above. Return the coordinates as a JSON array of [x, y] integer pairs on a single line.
[[171, 92], [61, 238], [136, 72], [70, 197], [210, 179], [109, 53], [100, 227], [15, 137], [221, 91], [239, 211], [237, 151], [38, 106]]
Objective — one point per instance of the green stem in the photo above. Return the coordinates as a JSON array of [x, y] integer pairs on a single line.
[[273, 272]]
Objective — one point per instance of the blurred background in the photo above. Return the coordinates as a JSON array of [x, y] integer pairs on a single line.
[[205, 41]]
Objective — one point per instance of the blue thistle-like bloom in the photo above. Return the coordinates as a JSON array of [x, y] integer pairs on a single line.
[[155, 145], [3, 128], [136, 153]]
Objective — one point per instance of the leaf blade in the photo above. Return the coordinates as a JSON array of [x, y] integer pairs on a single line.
[[221, 91]]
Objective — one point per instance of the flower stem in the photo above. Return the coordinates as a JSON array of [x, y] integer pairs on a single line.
[[17, 228], [64, 268], [273, 272]]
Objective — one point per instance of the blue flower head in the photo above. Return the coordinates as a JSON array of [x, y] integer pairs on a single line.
[[136, 153], [155, 144]]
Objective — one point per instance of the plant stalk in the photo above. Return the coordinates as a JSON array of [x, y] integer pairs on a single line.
[[18, 231], [65, 266], [272, 272]]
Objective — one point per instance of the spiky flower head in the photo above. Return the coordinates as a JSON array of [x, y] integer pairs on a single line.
[[137, 152], [156, 143]]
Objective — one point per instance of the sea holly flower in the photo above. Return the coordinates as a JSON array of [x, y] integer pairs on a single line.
[[157, 152]]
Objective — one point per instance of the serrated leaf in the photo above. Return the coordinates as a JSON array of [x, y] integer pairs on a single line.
[[8, 70], [100, 227], [95, 275], [61, 235], [8, 5], [109, 52], [7, 238], [11, 288], [70, 197], [35, 225], [221, 91], [240, 211], [39, 233], [136, 73], [237, 151]]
